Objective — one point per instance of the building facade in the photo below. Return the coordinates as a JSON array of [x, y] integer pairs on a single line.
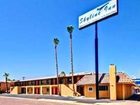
[[47, 85], [113, 85], [3, 88]]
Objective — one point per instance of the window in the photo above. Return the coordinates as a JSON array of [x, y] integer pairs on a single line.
[[54, 81], [44, 82], [23, 84], [69, 80], [48, 90], [32, 82], [36, 82], [40, 82], [61, 81], [48, 82], [90, 89], [103, 88], [29, 82]]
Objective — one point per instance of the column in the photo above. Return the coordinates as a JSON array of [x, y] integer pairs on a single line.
[[33, 90], [50, 90], [41, 90], [26, 90], [112, 80]]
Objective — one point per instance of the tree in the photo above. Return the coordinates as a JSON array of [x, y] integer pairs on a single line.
[[23, 78], [70, 29], [6, 75], [8, 79], [62, 76], [56, 42]]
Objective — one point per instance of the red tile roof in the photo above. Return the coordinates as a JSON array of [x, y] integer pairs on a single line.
[[104, 78]]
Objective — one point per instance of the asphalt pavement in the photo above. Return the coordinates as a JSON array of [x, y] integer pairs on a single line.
[[68, 99], [59, 98]]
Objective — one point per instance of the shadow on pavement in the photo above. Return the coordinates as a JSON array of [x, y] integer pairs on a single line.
[[135, 97]]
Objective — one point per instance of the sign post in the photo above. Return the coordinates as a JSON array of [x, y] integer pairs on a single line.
[[104, 11], [96, 60]]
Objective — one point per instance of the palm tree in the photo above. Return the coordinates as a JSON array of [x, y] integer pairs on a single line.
[[6, 75], [63, 75], [56, 42], [23, 78], [70, 30]]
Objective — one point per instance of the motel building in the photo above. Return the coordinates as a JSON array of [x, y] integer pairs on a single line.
[[113, 85]]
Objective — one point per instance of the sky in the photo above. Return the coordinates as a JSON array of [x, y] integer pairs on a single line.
[[28, 27]]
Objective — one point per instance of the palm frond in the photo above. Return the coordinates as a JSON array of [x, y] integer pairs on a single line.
[[70, 28], [56, 41]]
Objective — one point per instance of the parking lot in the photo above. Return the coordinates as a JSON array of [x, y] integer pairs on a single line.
[[25, 101], [56, 100]]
